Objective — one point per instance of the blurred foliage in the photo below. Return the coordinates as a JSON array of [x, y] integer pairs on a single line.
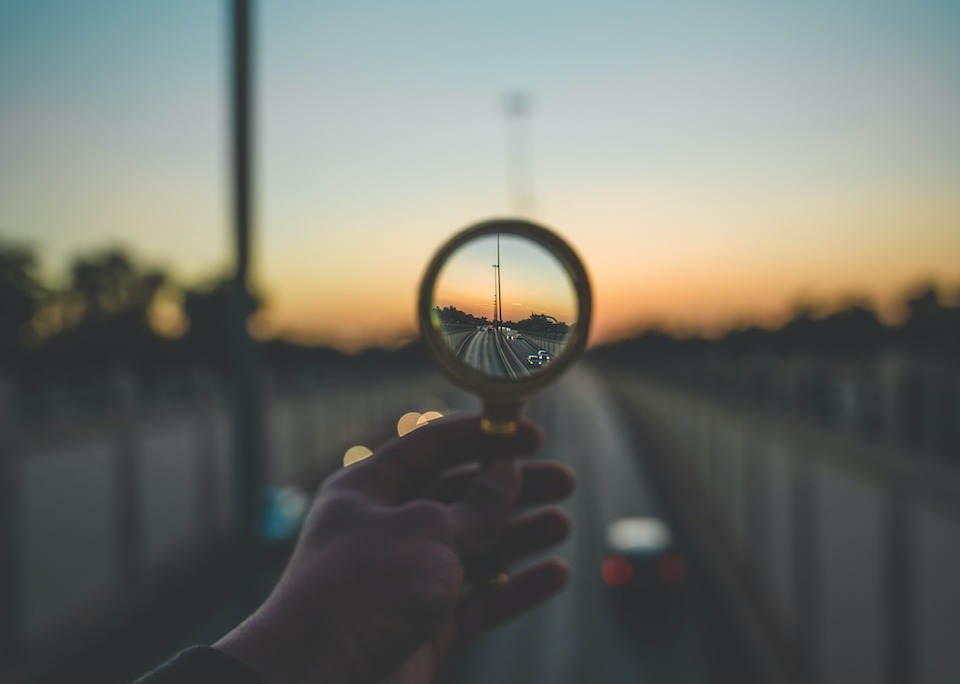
[[896, 384], [534, 323], [21, 294], [929, 330], [112, 311], [454, 316], [109, 310], [540, 323]]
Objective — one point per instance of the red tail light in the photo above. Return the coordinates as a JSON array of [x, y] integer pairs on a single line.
[[616, 571], [671, 569]]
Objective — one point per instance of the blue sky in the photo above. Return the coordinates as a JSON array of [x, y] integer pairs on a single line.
[[709, 160]]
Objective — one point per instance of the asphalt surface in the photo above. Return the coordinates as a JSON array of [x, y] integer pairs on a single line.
[[496, 355], [583, 635]]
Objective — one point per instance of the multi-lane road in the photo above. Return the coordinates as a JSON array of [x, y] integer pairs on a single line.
[[494, 353], [581, 636]]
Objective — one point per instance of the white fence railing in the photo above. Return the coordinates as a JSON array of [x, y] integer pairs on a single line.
[[850, 552], [96, 512]]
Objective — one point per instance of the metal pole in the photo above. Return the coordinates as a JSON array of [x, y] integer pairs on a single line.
[[496, 270], [499, 290], [519, 153], [10, 531], [898, 577], [129, 496], [247, 406]]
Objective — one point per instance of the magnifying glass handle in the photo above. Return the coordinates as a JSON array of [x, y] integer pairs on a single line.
[[500, 416]]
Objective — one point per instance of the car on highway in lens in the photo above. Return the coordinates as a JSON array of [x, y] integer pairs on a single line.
[[642, 568], [534, 360], [544, 355]]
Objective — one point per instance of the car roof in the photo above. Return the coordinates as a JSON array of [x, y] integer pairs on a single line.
[[638, 535]]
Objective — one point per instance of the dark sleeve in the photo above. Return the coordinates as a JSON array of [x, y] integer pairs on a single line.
[[201, 665]]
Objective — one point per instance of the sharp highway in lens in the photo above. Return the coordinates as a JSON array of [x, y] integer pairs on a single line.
[[503, 352]]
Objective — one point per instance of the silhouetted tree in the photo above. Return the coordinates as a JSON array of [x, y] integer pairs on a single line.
[[853, 330], [454, 316], [208, 313], [20, 295], [106, 313], [931, 325], [542, 323], [110, 284]]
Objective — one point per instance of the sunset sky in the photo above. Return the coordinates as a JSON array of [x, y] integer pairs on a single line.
[[532, 280], [711, 162]]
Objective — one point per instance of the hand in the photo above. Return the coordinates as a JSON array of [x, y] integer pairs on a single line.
[[391, 570]]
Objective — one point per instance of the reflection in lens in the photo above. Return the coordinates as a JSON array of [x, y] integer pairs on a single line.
[[505, 306]]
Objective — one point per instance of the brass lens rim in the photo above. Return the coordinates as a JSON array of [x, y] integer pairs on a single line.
[[487, 386]]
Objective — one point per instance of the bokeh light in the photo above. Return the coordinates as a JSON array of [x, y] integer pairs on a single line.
[[408, 422], [427, 417], [355, 453]]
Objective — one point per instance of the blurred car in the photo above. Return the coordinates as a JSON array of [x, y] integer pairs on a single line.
[[534, 360], [519, 336], [544, 355], [642, 568]]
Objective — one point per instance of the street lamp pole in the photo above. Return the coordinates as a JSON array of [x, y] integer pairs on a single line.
[[499, 290], [496, 292], [250, 465], [519, 153]]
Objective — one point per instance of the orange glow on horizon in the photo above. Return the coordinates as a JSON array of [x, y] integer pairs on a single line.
[[710, 305], [665, 270]]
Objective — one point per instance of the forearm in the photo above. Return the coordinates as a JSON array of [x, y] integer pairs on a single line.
[[201, 665], [279, 656]]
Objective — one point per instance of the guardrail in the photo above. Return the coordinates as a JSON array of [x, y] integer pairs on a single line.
[[551, 342], [891, 397], [847, 553], [456, 334], [101, 514]]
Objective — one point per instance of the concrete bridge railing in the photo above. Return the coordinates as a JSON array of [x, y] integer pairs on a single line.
[[845, 554], [99, 513]]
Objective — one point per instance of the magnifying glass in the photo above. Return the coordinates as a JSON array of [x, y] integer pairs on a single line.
[[504, 309]]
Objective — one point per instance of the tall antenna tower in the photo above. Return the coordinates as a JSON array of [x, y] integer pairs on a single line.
[[517, 107]]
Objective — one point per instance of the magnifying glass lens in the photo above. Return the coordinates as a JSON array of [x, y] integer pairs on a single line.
[[504, 308], [504, 305]]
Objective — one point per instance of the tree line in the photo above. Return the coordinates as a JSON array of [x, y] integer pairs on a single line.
[[535, 322], [109, 308], [929, 328]]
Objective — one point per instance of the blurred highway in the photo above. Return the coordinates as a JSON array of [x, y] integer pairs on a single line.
[[581, 636], [868, 593]]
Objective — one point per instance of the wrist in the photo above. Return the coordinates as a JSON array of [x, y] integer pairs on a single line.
[[279, 656]]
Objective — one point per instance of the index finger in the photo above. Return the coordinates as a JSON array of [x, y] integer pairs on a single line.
[[543, 482], [403, 466]]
